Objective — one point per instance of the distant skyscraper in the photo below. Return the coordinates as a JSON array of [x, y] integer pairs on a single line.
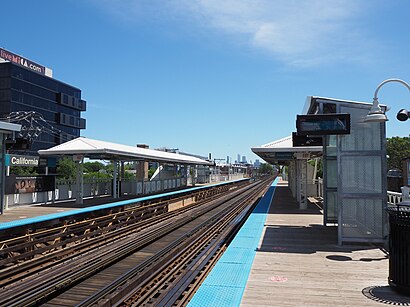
[[239, 158], [227, 159], [257, 163], [243, 159]]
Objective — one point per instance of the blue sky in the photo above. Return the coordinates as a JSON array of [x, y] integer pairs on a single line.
[[210, 75]]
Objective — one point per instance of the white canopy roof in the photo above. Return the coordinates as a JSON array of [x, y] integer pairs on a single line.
[[282, 150], [96, 149]]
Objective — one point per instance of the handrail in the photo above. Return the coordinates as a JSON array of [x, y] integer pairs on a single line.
[[394, 198]]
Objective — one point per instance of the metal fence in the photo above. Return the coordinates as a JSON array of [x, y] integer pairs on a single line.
[[95, 187]]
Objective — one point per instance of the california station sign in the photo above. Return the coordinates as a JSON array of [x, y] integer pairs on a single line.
[[19, 60], [18, 160]]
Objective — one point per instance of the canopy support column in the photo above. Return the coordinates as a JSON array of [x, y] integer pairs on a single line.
[[79, 181], [114, 180], [301, 177]]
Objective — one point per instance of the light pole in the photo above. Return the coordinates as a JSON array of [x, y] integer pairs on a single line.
[[399, 218], [376, 114]]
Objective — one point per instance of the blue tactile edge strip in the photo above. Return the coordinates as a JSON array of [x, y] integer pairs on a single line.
[[48, 217], [225, 284]]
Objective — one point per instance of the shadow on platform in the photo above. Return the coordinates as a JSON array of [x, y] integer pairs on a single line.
[[292, 230]]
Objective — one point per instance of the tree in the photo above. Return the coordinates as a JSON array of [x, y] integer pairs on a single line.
[[23, 170], [92, 167], [265, 169], [66, 168], [398, 148]]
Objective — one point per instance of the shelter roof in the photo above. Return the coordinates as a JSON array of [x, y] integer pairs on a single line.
[[282, 150], [96, 149]]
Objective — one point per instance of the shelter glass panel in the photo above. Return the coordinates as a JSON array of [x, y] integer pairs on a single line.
[[332, 207], [362, 218], [331, 173], [363, 136], [331, 147], [361, 174]]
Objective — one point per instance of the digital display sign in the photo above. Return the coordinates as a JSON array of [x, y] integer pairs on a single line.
[[304, 140], [323, 124]]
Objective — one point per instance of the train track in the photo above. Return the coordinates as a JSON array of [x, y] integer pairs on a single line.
[[160, 262], [28, 253]]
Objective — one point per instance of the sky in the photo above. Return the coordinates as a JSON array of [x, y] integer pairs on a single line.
[[212, 76]]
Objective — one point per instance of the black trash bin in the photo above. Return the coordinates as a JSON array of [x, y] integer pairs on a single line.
[[399, 248]]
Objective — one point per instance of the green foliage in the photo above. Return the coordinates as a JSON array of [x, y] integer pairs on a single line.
[[265, 169], [93, 167], [97, 175], [66, 168], [151, 171], [128, 175], [129, 166], [109, 168], [319, 167], [23, 170], [397, 149]]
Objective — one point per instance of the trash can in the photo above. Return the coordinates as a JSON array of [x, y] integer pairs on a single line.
[[399, 247]]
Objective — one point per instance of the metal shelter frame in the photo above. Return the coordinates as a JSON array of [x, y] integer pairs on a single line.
[[283, 152]]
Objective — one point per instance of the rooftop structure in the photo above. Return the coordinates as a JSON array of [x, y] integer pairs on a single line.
[[48, 110]]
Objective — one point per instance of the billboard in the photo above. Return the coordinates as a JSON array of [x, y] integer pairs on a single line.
[[19, 60], [28, 184]]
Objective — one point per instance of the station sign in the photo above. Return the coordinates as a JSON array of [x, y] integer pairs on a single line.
[[19, 160], [323, 124]]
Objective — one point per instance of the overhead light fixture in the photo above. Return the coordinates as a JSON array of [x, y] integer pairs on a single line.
[[403, 115], [376, 114]]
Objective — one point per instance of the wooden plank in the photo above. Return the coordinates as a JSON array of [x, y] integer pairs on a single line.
[[300, 263]]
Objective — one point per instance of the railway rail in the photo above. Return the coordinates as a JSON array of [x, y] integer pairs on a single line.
[[159, 260], [37, 247]]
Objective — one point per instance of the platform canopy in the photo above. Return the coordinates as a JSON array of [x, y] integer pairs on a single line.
[[282, 150], [96, 149]]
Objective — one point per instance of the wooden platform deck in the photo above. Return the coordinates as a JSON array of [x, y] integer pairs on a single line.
[[27, 211], [300, 264]]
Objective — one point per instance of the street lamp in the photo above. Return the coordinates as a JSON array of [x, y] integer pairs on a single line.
[[376, 114]]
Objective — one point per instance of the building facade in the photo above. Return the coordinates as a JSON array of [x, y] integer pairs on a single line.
[[48, 110]]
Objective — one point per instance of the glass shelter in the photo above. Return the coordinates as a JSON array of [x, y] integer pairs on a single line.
[[354, 167]]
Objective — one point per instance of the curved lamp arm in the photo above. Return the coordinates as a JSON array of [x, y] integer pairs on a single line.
[[390, 80], [376, 114]]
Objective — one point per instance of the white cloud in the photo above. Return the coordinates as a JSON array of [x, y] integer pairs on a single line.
[[297, 32]]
